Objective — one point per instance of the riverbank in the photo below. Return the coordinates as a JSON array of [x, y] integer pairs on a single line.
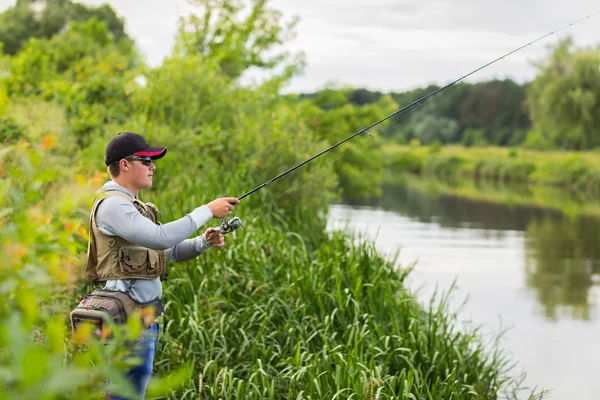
[[570, 170]]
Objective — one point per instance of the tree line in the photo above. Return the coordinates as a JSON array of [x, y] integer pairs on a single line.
[[558, 109]]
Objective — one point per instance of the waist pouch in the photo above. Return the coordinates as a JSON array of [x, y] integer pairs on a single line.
[[103, 307]]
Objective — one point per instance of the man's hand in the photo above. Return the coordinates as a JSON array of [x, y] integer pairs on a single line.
[[214, 238], [223, 206]]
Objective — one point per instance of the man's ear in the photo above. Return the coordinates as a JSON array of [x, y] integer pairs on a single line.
[[124, 165]]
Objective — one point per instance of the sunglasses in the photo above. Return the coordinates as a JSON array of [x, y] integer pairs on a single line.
[[147, 161]]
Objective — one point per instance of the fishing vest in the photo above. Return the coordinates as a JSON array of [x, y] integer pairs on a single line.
[[112, 257]]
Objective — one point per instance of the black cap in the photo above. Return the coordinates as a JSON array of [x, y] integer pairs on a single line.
[[128, 143]]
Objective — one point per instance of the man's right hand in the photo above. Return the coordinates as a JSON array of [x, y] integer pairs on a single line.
[[223, 206]]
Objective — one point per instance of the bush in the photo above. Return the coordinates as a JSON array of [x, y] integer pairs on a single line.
[[10, 131], [443, 165], [536, 141], [405, 161], [43, 236], [503, 169], [474, 138]]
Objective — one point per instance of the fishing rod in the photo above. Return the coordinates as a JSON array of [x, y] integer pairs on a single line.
[[235, 222]]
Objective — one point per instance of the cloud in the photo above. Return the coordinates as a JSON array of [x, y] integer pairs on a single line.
[[398, 44], [392, 44]]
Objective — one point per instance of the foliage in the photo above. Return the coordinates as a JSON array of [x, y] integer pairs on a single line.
[[29, 19], [80, 68], [494, 111], [578, 171], [234, 41], [474, 137], [431, 129], [332, 119], [536, 141], [563, 99], [441, 164], [10, 131], [504, 169], [405, 161], [42, 241]]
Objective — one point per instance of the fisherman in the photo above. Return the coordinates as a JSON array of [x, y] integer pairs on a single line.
[[128, 247]]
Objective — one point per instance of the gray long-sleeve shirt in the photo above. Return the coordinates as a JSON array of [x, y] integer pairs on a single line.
[[116, 216]]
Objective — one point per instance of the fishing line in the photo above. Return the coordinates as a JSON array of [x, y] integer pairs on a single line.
[[234, 223]]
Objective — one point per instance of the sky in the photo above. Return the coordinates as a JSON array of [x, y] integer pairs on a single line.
[[392, 45]]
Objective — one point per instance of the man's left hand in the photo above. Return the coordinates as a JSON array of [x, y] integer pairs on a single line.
[[214, 238]]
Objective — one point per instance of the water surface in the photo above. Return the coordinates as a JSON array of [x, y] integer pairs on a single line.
[[528, 271]]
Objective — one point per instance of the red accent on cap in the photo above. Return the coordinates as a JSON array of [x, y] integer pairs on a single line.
[[149, 153]]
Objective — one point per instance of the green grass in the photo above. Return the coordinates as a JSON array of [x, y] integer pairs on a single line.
[[574, 170]]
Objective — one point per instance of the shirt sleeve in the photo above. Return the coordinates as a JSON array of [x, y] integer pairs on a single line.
[[116, 216], [188, 249]]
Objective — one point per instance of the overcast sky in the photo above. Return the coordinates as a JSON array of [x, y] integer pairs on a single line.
[[392, 44]]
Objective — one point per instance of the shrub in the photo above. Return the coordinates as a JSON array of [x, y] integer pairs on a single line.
[[10, 131], [405, 161]]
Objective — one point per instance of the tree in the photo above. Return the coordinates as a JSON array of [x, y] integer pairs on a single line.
[[363, 96], [236, 42], [80, 68], [332, 118], [431, 129], [36, 19], [496, 109], [563, 98]]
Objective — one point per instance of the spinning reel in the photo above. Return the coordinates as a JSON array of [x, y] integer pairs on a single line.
[[229, 226]]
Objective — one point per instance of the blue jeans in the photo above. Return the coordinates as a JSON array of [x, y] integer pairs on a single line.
[[144, 348]]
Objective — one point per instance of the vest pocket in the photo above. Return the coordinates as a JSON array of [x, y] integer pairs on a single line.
[[131, 259], [154, 261]]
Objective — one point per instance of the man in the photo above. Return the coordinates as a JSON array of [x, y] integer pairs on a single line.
[[128, 247]]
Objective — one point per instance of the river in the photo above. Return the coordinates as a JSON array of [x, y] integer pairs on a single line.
[[528, 271]]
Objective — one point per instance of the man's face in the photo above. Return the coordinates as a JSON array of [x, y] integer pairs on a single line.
[[141, 171]]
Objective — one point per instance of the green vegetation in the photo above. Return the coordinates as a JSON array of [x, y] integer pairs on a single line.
[[572, 170], [563, 98], [472, 114], [285, 310]]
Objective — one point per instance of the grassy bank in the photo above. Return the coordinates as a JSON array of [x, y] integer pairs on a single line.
[[572, 170]]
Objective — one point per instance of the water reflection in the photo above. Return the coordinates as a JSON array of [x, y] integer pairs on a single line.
[[561, 264], [562, 253]]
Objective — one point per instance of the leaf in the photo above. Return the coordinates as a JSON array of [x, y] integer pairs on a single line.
[[45, 176]]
